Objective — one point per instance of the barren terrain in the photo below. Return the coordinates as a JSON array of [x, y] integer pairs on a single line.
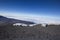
[[9, 32]]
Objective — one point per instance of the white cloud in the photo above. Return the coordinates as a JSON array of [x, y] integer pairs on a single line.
[[30, 17]]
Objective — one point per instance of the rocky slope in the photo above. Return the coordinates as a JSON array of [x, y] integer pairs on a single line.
[[30, 33]]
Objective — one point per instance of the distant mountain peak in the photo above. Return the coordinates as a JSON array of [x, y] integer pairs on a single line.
[[2, 16]]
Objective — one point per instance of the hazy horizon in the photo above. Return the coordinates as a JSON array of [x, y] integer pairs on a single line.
[[30, 10]]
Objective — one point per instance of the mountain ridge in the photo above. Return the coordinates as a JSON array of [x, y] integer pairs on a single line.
[[11, 20]]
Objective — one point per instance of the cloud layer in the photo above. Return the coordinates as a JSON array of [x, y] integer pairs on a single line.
[[34, 18]]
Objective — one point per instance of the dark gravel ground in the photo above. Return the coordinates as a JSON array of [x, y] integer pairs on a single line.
[[37, 32]]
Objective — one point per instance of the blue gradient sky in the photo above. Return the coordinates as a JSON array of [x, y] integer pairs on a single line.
[[47, 8]]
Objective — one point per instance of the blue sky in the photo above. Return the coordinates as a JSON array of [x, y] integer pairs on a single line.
[[35, 8]]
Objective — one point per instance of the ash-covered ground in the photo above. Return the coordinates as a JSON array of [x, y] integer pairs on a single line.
[[9, 32]]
